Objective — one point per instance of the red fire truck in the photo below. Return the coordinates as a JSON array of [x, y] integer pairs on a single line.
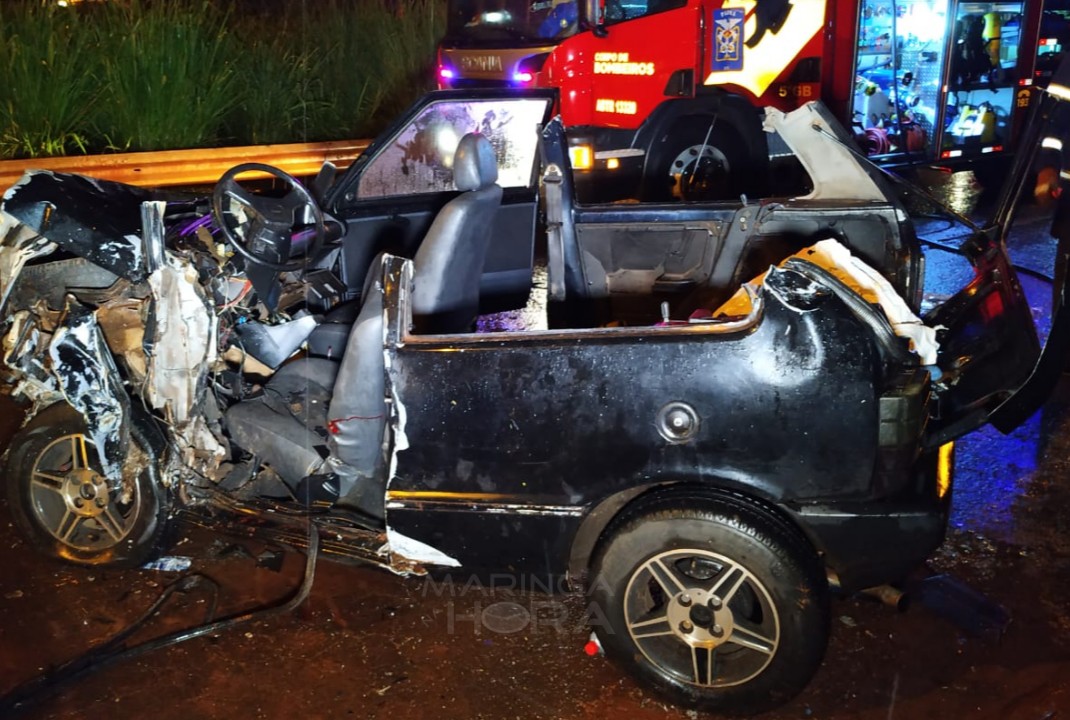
[[665, 90]]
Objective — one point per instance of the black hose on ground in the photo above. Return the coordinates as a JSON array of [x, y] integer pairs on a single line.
[[113, 651]]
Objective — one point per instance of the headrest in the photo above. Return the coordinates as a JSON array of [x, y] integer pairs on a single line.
[[474, 165]]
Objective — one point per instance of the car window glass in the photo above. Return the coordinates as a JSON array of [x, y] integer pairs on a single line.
[[420, 157]]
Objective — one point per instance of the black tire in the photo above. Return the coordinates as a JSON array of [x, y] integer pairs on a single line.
[[691, 161], [687, 629], [60, 501]]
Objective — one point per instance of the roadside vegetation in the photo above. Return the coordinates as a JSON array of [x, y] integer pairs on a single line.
[[134, 75]]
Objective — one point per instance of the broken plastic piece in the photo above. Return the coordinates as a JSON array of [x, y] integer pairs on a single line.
[[272, 344], [171, 563]]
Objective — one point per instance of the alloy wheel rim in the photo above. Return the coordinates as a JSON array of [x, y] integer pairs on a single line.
[[71, 498], [701, 618]]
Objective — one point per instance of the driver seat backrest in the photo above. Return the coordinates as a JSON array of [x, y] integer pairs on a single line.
[[449, 264], [356, 415]]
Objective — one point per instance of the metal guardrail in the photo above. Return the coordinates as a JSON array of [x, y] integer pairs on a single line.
[[190, 167]]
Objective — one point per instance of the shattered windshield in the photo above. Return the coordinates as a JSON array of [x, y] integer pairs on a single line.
[[511, 22]]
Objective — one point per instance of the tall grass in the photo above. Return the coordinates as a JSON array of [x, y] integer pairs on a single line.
[[168, 73], [157, 74], [47, 86], [408, 40], [279, 92], [362, 62]]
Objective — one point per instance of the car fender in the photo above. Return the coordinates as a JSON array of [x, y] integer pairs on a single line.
[[90, 383]]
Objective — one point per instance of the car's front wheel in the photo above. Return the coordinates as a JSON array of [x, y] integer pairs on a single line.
[[63, 504], [722, 605]]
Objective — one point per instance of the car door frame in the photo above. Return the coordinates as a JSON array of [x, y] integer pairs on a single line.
[[397, 223]]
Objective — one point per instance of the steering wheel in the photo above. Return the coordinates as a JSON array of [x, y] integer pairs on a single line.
[[265, 235]]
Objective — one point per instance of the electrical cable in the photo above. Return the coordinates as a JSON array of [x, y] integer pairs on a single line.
[[112, 651]]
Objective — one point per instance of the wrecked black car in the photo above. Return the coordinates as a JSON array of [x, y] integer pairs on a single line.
[[718, 411]]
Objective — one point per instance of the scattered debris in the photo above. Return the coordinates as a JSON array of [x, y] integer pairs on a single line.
[[221, 550], [270, 559], [171, 563]]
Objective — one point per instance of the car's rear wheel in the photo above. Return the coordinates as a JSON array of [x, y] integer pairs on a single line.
[[63, 504], [722, 606]]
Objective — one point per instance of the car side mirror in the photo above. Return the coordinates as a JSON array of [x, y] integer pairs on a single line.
[[594, 14]]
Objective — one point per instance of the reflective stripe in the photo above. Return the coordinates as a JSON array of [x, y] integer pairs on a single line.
[[1065, 174], [1052, 143]]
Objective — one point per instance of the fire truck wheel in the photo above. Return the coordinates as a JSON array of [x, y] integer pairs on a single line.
[[723, 606], [691, 161]]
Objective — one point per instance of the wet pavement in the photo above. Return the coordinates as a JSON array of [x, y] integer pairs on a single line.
[[368, 644]]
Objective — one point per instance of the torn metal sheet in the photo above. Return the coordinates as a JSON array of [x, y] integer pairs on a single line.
[[22, 340], [154, 233], [874, 288], [835, 173], [123, 323], [183, 343], [408, 549], [18, 245], [397, 277], [199, 448], [94, 219], [90, 383], [23, 346]]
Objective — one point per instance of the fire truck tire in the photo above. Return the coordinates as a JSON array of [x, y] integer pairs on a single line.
[[689, 161]]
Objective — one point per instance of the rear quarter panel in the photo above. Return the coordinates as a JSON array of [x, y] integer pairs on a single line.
[[506, 440]]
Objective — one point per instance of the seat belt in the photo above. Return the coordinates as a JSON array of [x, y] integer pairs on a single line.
[[552, 181]]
